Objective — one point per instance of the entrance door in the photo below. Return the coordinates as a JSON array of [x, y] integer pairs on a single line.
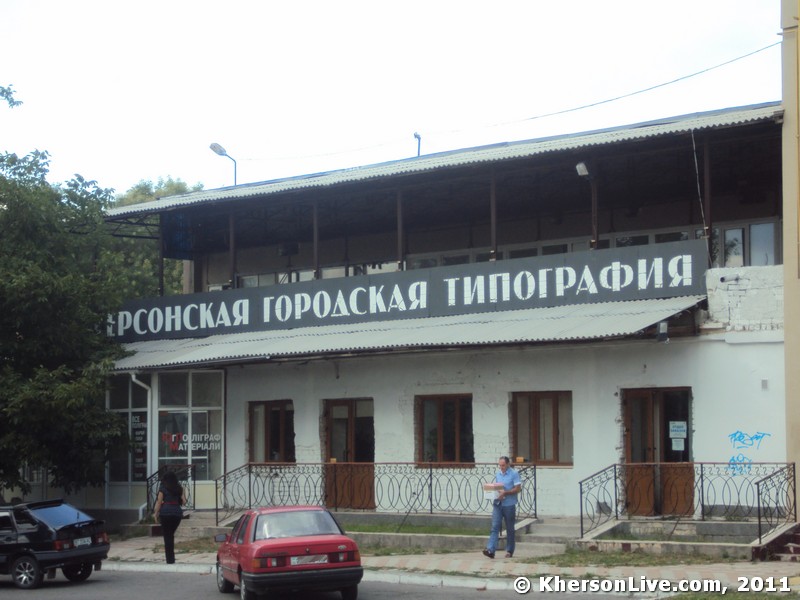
[[350, 471], [659, 479]]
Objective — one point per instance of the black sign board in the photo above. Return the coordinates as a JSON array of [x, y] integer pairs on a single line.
[[640, 272]]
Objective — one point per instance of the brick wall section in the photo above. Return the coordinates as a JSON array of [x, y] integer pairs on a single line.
[[745, 299]]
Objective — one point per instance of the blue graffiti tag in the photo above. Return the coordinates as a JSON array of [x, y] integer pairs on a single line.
[[739, 465], [740, 439]]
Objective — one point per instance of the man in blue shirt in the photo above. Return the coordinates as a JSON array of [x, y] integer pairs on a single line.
[[504, 508]]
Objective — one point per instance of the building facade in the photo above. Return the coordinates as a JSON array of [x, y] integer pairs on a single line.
[[613, 297]]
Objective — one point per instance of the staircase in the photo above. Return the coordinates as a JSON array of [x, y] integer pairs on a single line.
[[544, 537], [196, 523], [786, 547]]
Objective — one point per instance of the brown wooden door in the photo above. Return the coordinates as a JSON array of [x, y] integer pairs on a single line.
[[677, 475], [638, 472], [658, 477], [350, 443]]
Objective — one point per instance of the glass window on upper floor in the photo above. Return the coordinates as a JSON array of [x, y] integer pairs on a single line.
[[330, 272], [522, 252], [626, 241], [671, 236], [745, 244], [762, 244], [554, 249]]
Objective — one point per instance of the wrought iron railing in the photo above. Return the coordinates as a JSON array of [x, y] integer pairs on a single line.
[[381, 487], [599, 498], [186, 477], [777, 500], [693, 490]]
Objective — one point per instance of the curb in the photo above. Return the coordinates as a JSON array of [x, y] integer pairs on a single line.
[[459, 581], [383, 576], [144, 567]]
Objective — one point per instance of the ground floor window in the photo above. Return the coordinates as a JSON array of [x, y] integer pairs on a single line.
[[542, 426], [272, 431], [444, 429], [190, 421], [129, 400]]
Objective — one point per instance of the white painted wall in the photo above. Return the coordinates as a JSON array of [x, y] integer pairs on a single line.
[[737, 386], [735, 369]]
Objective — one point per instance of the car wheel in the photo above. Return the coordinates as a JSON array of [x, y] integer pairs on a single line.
[[77, 572], [244, 593], [223, 585], [27, 573], [350, 593]]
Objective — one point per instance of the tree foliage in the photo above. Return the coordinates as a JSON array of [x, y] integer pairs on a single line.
[[7, 94], [61, 274], [57, 285]]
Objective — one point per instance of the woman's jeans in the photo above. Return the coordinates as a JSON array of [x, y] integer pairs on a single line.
[[169, 524], [500, 514]]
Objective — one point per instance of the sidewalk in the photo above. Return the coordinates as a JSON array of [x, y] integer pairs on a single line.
[[461, 569]]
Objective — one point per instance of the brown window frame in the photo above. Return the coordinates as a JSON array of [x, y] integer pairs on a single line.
[[534, 411], [440, 400], [268, 406]]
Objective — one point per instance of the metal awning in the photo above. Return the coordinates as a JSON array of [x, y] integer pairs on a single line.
[[578, 322], [494, 153]]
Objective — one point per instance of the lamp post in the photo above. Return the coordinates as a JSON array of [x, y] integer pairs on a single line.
[[418, 137], [583, 171], [222, 152]]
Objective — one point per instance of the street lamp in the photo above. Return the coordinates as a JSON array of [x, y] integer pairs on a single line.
[[222, 152], [583, 171]]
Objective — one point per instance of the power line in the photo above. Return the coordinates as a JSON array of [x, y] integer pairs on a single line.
[[536, 117], [651, 88]]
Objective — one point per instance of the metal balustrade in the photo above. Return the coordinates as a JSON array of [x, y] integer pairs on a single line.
[[777, 500], [186, 477], [698, 491], [381, 487]]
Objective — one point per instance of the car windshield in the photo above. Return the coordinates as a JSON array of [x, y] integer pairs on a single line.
[[295, 523], [60, 515]]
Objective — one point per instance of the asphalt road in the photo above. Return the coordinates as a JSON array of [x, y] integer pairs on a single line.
[[125, 585]]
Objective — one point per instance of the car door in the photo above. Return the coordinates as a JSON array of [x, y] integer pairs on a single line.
[[8, 539], [30, 533], [233, 548]]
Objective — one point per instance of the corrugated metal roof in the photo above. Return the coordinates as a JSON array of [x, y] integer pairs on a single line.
[[553, 324], [494, 153]]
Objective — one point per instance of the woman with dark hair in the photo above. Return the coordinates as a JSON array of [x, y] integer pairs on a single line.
[[168, 511]]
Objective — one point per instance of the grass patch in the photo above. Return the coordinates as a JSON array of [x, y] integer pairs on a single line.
[[379, 550], [424, 529], [586, 558], [651, 537]]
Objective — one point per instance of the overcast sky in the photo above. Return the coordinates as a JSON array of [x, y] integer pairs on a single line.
[[126, 91]]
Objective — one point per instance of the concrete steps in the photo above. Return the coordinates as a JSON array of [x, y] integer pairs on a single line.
[[534, 537], [195, 524], [787, 547]]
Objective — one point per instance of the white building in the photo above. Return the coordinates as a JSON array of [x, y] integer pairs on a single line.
[[445, 310]]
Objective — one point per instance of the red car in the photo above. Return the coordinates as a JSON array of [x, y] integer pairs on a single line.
[[288, 548]]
